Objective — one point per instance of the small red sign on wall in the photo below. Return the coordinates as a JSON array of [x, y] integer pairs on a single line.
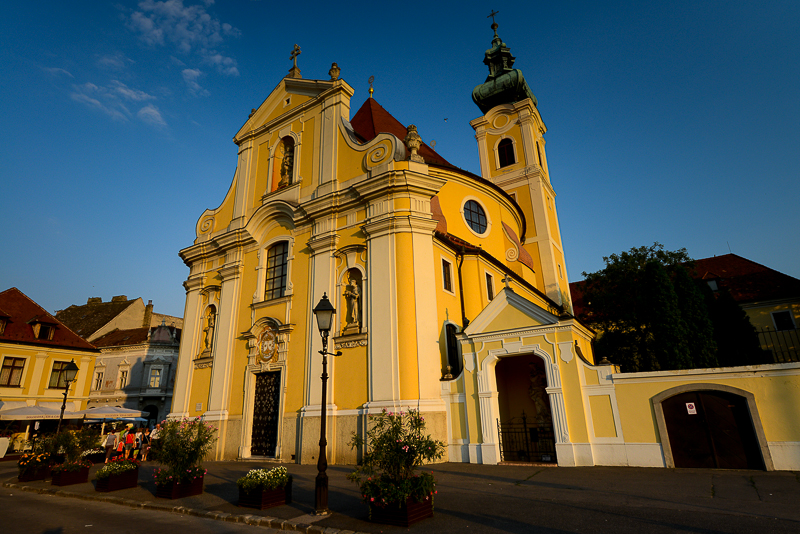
[[691, 409]]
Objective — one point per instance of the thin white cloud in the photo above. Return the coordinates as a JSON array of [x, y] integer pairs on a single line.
[[55, 71], [151, 115], [85, 99], [225, 65], [190, 77], [116, 61], [189, 28], [128, 93]]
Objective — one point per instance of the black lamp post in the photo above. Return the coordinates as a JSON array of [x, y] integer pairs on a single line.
[[69, 375], [324, 312]]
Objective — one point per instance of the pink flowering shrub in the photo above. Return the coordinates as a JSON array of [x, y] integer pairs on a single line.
[[184, 444], [395, 446]]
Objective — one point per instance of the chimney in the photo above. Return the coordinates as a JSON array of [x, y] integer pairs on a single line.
[[94, 300], [119, 298], [148, 314]]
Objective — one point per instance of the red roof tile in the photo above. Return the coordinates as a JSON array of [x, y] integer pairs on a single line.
[[747, 281], [23, 313], [371, 119]]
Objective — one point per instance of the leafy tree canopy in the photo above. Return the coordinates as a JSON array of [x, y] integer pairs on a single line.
[[652, 316]]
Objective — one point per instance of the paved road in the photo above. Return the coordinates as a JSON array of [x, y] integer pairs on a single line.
[[499, 499], [30, 513]]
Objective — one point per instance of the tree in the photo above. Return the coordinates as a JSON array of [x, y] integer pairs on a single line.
[[652, 316], [634, 306]]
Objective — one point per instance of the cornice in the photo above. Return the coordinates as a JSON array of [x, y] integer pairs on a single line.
[[231, 271], [216, 245], [323, 242]]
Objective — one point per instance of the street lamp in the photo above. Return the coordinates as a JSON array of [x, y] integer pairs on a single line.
[[69, 375], [324, 312]]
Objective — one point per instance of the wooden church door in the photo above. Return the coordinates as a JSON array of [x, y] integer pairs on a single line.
[[264, 440]]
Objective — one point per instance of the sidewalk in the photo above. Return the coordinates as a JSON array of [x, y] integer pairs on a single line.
[[503, 498]]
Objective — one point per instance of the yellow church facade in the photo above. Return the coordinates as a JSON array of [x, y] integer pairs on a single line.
[[450, 288]]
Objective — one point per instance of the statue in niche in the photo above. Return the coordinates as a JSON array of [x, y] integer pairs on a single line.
[[287, 163], [211, 319], [352, 296], [537, 391]]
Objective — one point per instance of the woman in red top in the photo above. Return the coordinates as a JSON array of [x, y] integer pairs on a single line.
[[129, 441]]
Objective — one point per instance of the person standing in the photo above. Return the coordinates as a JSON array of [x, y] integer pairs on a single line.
[[145, 445], [110, 443], [130, 440]]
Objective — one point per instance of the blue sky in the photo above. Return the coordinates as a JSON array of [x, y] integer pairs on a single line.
[[675, 123]]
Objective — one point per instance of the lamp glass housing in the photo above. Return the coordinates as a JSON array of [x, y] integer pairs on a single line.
[[70, 371], [324, 312]]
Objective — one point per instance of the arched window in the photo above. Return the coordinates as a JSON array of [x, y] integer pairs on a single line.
[[539, 153], [505, 152], [277, 256], [475, 216], [453, 357]]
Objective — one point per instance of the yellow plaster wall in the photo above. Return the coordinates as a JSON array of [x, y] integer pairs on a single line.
[[406, 313], [761, 316], [201, 385], [602, 416], [309, 157], [262, 179], [349, 163], [350, 386], [776, 399]]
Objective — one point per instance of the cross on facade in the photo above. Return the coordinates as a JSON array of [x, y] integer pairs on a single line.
[[295, 52], [492, 14]]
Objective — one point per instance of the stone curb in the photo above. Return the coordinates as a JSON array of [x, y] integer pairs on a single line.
[[254, 520]]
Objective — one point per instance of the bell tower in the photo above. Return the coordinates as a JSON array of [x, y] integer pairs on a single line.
[[510, 137]]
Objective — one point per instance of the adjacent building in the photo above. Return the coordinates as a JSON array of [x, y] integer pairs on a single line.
[[138, 352], [35, 349]]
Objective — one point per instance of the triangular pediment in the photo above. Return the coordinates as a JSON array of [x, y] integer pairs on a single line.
[[509, 311], [294, 90]]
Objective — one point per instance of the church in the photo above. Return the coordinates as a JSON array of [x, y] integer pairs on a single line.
[[450, 290]]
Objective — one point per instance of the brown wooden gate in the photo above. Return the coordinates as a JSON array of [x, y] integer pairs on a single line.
[[265, 414], [711, 429]]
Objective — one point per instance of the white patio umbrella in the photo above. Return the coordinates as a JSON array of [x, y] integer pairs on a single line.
[[110, 412], [35, 413]]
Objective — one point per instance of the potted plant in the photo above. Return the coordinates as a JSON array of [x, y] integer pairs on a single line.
[[34, 466], [118, 474], [66, 448], [70, 472], [387, 477], [96, 456], [184, 444], [262, 488]]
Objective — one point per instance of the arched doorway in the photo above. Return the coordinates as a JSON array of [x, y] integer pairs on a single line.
[[152, 415], [711, 426], [525, 424]]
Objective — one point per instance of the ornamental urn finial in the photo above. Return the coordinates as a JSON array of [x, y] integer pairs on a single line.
[[413, 141], [334, 72]]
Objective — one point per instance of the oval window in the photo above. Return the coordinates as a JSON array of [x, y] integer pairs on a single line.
[[475, 216]]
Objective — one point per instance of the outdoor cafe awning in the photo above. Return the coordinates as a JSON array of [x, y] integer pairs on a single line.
[[35, 413]]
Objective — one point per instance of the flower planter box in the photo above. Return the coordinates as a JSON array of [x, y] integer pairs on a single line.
[[67, 478], [96, 458], [39, 473], [267, 498], [124, 480], [404, 515], [174, 490]]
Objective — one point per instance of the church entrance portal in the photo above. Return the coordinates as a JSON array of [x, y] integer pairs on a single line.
[[526, 424], [265, 414], [711, 429]]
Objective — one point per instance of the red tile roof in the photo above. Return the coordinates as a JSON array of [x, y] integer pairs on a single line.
[[24, 312], [371, 119], [747, 281], [89, 318], [119, 337]]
